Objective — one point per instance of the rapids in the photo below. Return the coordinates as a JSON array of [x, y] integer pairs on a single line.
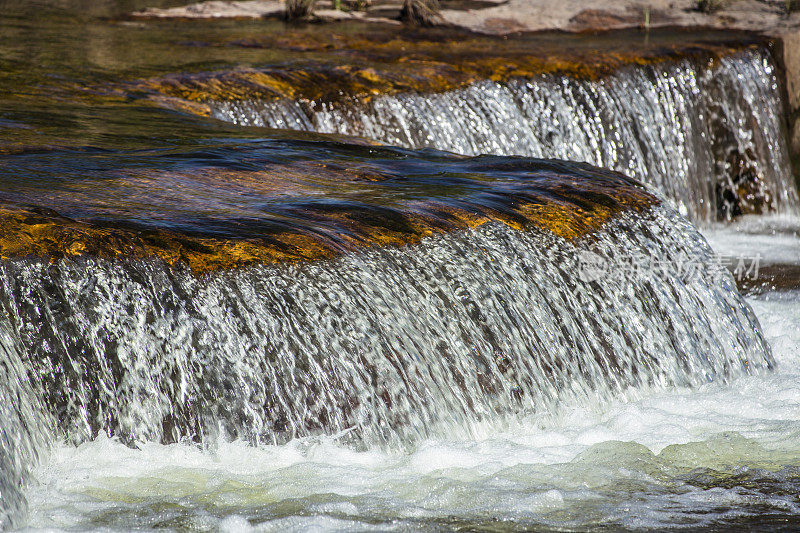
[[207, 323]]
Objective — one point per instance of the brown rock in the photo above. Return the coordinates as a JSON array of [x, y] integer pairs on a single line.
[[567, 201], [598, 18]]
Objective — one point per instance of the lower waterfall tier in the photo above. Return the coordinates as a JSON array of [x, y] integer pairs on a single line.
[[381, 347]]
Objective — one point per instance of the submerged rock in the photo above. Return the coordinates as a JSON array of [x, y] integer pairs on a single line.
[[225, 218], [347, 67]]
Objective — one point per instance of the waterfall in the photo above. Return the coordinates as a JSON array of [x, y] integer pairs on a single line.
[[471, 321], [384, 346], [707, 134], [24, 428]]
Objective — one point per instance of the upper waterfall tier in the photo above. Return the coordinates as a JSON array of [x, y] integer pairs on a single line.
[[709, 136], [703, 123], [696, 114]]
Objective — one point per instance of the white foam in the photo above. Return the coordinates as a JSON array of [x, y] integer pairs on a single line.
[[775, 239], [617, 463]]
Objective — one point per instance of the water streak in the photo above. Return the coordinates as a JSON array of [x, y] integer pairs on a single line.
[[25, 430], [391, 344]]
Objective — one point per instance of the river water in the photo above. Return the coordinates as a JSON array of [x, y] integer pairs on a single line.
[[464, 374], [717, 456]]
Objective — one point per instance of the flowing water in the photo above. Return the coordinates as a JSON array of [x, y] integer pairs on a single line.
[[480, 343], [269, 355], [693, 130], [719, 456]]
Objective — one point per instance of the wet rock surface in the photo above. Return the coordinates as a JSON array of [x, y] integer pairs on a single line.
[[342, 66], [230, 214], [775, 19]]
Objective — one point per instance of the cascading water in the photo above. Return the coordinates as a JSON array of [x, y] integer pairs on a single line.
[[709, 136], [24, 427], [203, 329], [387, 346]]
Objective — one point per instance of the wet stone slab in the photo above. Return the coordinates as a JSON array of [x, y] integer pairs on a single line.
[[265, 202]]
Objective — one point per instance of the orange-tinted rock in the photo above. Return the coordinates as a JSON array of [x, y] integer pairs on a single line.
[[361, 66], [569, 202]]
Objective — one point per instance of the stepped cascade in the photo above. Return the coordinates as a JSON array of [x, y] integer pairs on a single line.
[[706, 133], [257, 274], [104, 339]]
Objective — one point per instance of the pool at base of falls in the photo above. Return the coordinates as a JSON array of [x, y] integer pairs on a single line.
[[720, 456]]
